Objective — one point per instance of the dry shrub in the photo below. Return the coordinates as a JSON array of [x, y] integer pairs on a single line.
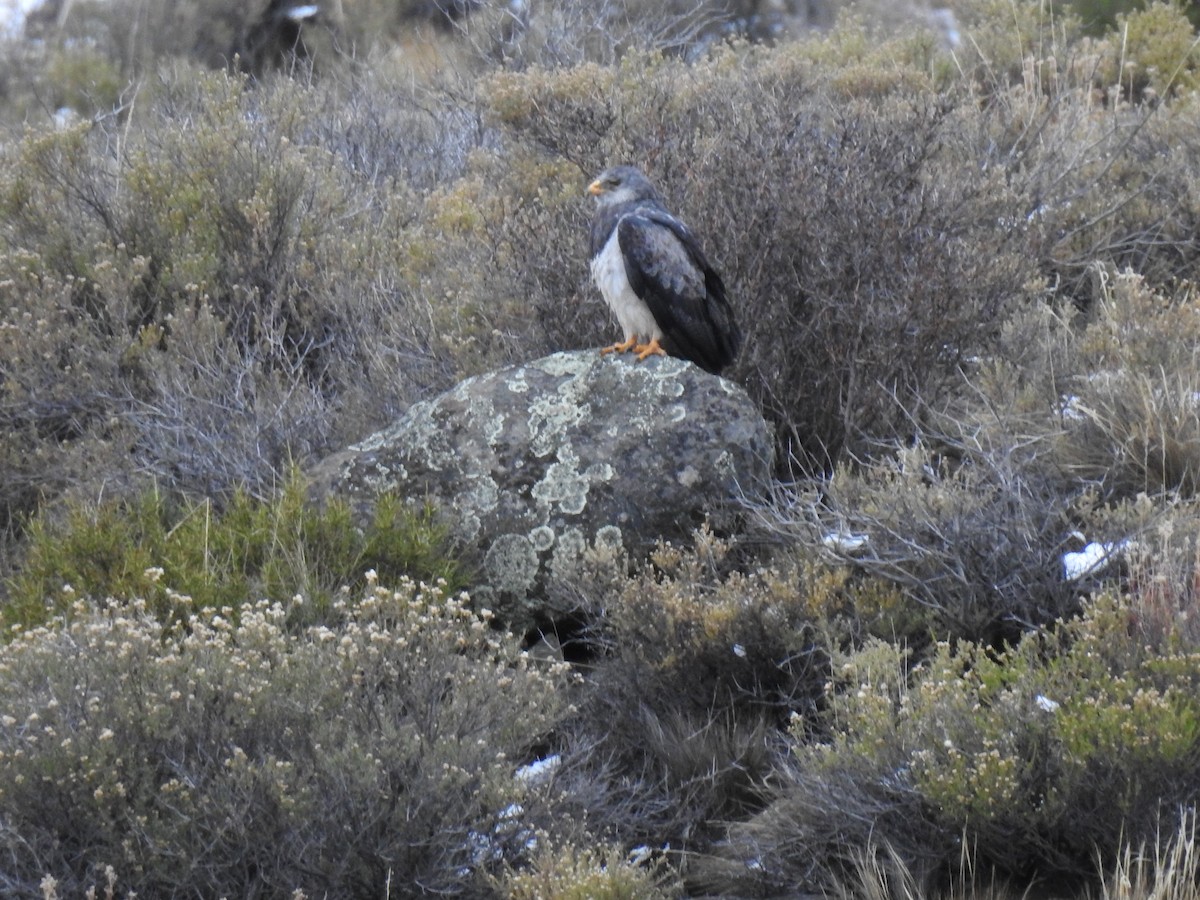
[[1162, 579], [1168, 868], [1073, 426], [562, 33], [1129, 201], [1163, 867], [1130, 412], [1103, 169], [677, 728], [204, 293], [968, 536], [782, 194], [227, 760], [811, 838]]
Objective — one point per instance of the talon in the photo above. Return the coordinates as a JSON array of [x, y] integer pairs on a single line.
[[651, 349], [624, 347]]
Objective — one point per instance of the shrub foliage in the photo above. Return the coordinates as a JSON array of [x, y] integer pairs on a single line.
[[178, 557], [231, 759], [964, 261]]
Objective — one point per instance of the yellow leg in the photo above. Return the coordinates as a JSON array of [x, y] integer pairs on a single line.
[[624, 347], [650, 349]]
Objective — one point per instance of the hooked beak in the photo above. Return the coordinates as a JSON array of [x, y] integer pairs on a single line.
[[595, 188]]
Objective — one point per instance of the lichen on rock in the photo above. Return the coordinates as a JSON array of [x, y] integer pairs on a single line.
[[534, 464]]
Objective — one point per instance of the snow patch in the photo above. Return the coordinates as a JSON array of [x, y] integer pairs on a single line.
[[300, 13], [539, 771], [844, 541], [1091, 558]]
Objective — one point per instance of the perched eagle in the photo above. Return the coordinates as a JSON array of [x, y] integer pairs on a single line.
[[654, 277]]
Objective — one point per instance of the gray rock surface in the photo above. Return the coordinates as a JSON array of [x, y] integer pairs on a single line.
[[535, 463]]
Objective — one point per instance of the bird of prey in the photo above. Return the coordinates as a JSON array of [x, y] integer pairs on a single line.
[[655, 278]]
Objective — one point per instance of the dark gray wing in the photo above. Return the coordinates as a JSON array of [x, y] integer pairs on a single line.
[[667, 269]]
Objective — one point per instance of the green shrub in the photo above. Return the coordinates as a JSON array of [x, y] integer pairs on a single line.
[[1051, 761], [1040, 757], [1159, 52], [179, 556], [1005, 42], [224, 760], [1098, 15]]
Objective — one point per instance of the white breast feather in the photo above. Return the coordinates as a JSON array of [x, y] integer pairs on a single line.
[[608, 271]]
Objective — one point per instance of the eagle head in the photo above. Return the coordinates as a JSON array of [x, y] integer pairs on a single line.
[[622, 184]]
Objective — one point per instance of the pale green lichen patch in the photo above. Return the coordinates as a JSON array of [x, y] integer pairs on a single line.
[[383, 478], [419, 433], [467, 524], [511, 564], [554, 414], [724, 465], [466, 389], [568, 553], [573, 364], [542, 538], [483, 417], [565, 486], [669, 385], [517, 382], [609, 537], [417, 416], [480, 495]]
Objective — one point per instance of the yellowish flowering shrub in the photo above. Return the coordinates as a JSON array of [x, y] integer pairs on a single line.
[[713, 636], [572, 872], [1159, 53], [219, 758], [1042, 754]]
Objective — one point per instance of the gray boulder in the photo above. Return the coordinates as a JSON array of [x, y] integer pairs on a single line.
[[535, 463]]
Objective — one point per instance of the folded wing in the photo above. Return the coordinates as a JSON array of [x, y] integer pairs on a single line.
[[667, 269]]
